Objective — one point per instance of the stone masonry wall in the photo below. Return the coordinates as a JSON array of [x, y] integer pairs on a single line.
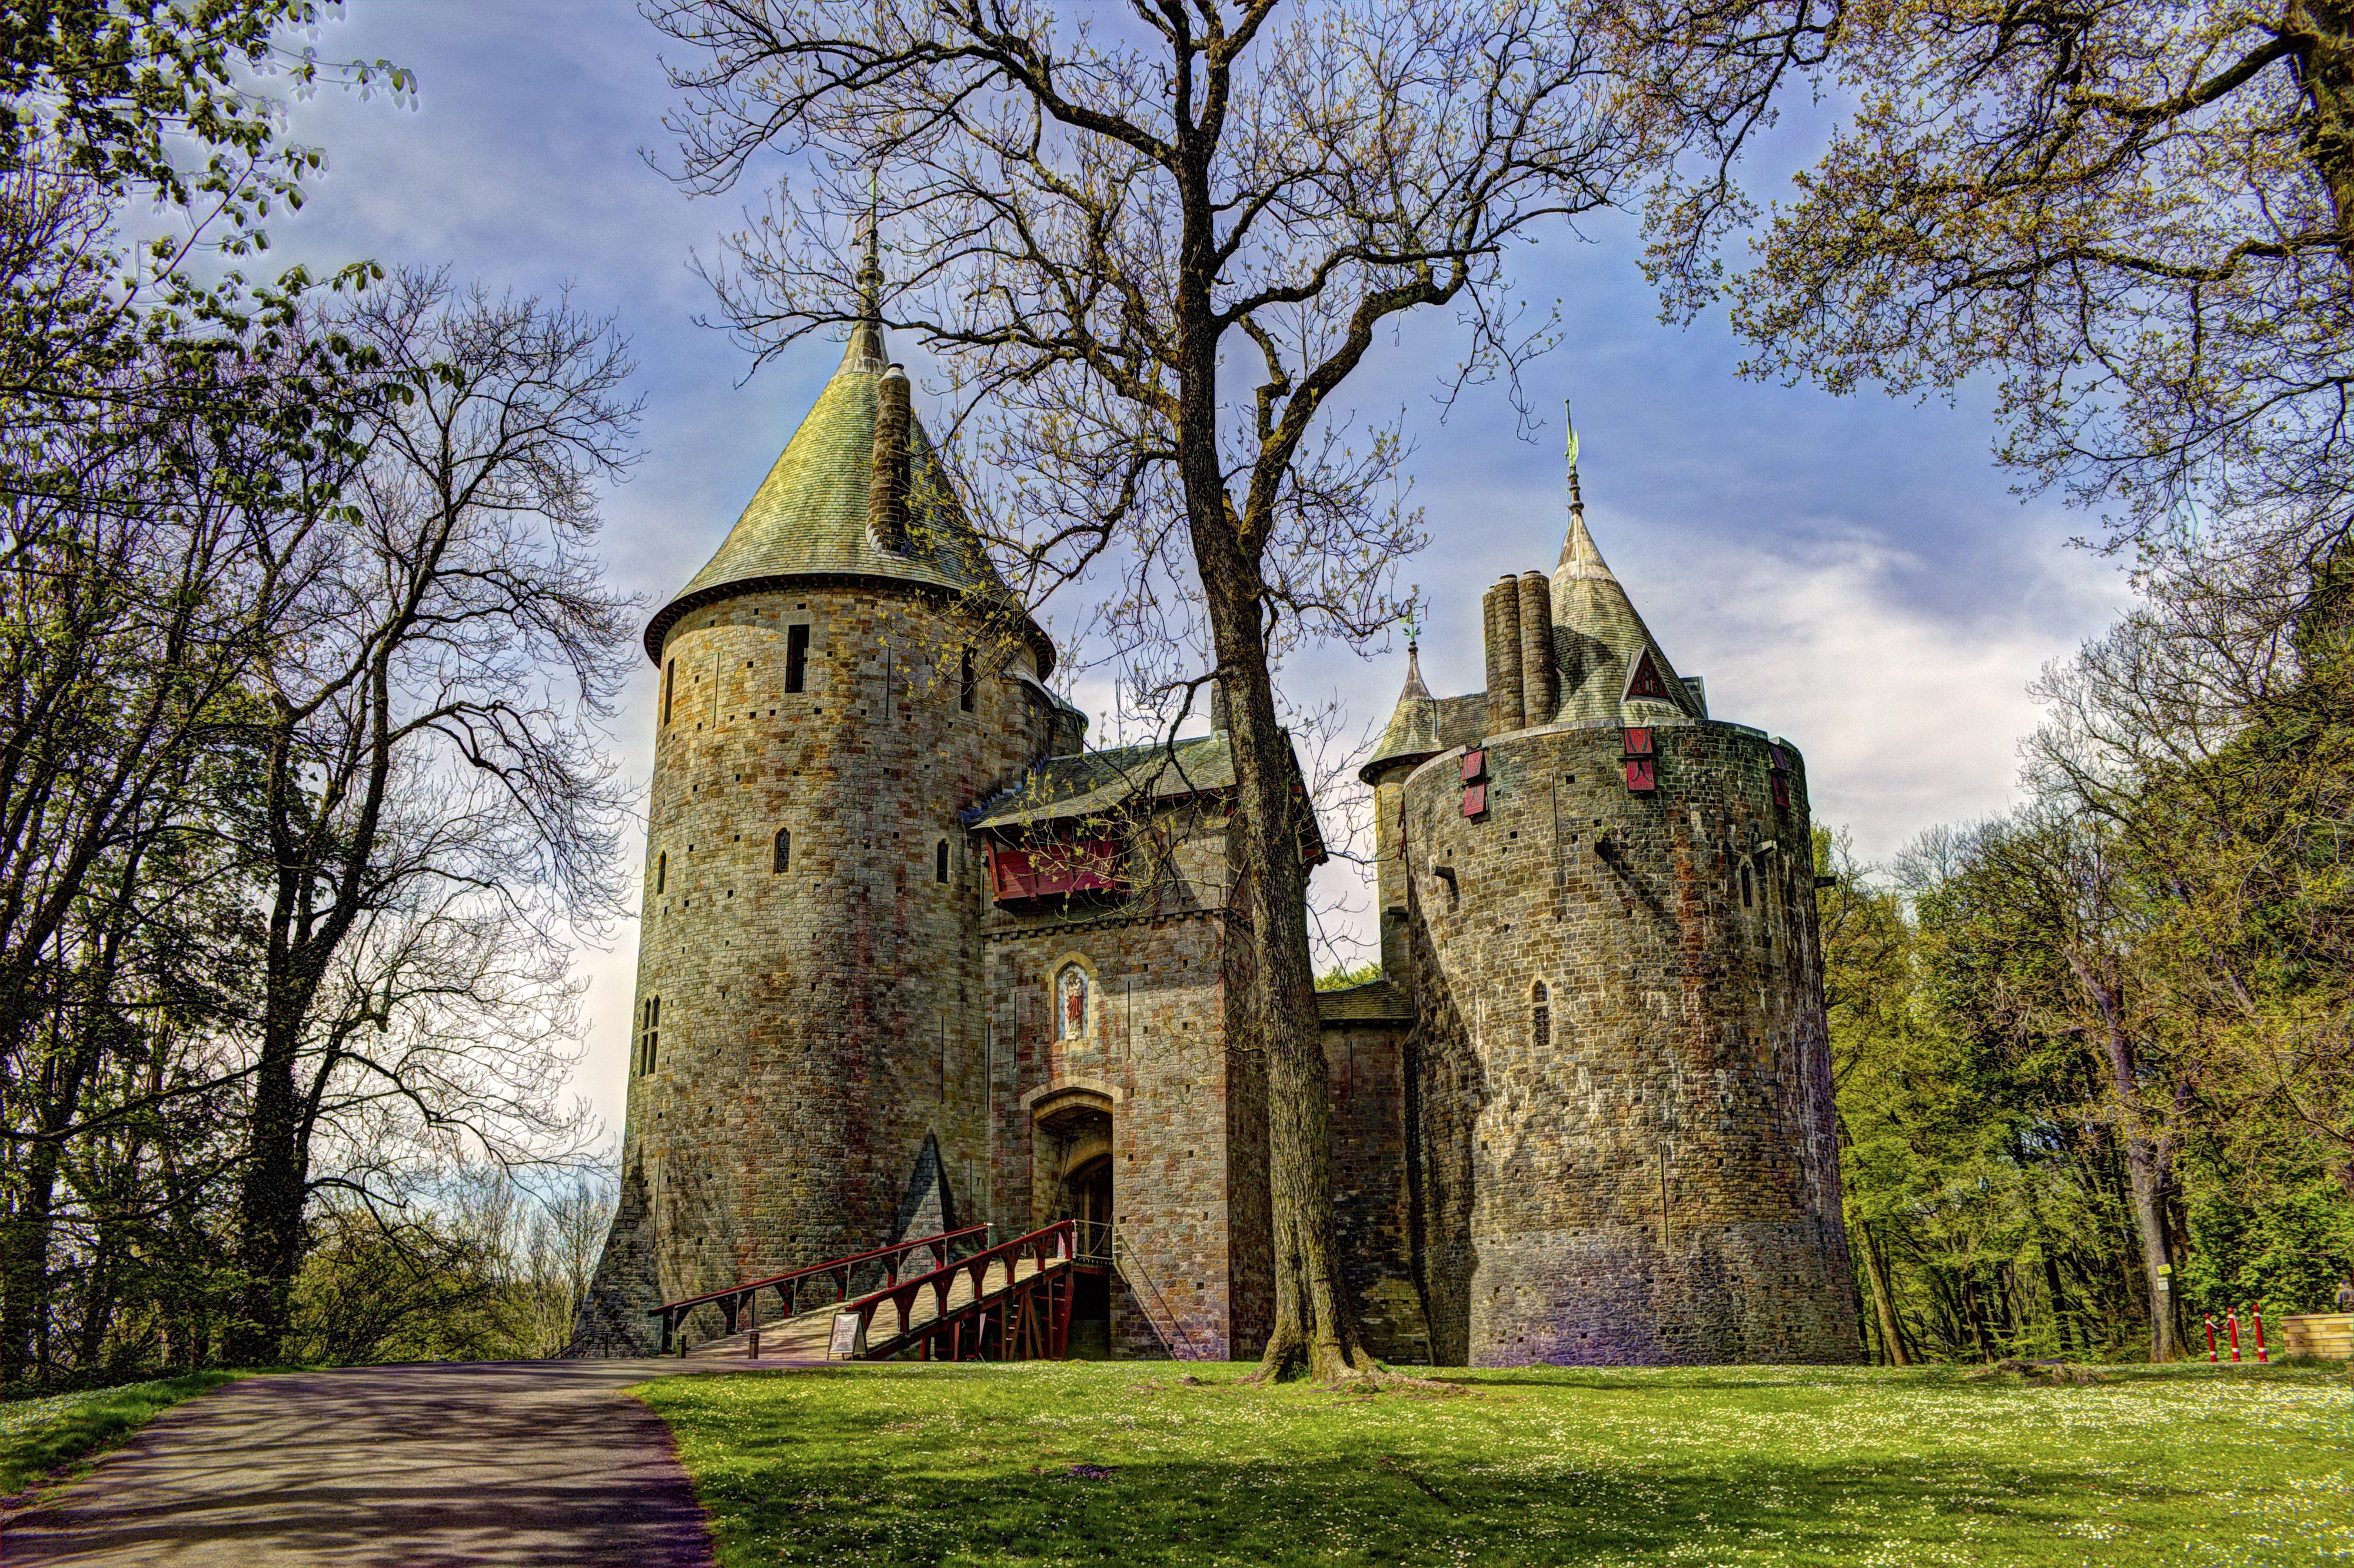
[[1367, 1062], [1636, 1163], [1187, 1190], [817, 1025]]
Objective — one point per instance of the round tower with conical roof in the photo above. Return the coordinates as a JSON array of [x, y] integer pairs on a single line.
[[1602, 903], [808, 1075]]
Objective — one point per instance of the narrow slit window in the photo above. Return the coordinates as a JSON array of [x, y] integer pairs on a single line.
[[941, 861], [782, 859], [661, 871], [650, 1034], [796, 658], [1540, 1018], [1747, 897], [967, 688], [670, 685]]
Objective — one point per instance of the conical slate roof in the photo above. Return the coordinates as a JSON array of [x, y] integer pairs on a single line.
[[1413, 730], [1601, 645], [810, 517]]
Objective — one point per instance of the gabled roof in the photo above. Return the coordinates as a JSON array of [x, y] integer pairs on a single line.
[[809, 517], [1102, 783]]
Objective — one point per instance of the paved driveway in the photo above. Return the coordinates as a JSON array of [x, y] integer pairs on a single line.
[[412, 1466]]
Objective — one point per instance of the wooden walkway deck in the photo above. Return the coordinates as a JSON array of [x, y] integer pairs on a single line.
[[807, 1337]]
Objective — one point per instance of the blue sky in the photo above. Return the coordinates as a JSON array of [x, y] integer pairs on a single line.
[[1851, 573]]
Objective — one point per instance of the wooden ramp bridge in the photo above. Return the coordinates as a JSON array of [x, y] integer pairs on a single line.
[[951, 1297]]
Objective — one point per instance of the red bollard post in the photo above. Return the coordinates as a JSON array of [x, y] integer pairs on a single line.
[[2210, 1335], [2258, 1310], [2231, 1321]]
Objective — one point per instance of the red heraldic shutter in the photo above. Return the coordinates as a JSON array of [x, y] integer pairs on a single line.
[[1475, 801], [1475, 766], [1642, 775], [1778, 774]]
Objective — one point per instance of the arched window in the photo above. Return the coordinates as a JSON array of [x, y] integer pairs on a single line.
[[1540, 1017], [1071, 1004], [661, 871], [1747, 897], [649, 1033], [941, 861], [782, 859]]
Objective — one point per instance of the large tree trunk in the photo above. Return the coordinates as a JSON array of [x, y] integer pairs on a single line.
[[270, 1198], [1313, 1329], [1892, 1332], [2148, 1172], [25, 1252]]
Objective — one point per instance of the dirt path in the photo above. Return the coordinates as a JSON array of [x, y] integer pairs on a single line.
[[412, 1466]]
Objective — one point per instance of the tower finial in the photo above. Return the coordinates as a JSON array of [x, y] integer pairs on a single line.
[[865, 351], [1576, 499]]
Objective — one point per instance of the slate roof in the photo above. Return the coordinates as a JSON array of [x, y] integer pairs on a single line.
[[809, 517], [1099, 783], [1597, 637], [1378, 1000]]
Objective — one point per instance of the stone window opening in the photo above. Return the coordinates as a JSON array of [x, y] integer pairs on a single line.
[[781, 859], [796, 644], [940, 861], [670, 685], [661, 871], [1748, 897], [1540, 1017], [649, 1033], [968, 689]]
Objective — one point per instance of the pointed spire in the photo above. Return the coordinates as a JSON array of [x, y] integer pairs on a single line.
[[1605, 646], [866, 349], [1414, 686], [1412, 734], [837, 501], [1569, 455], [1580, 557]]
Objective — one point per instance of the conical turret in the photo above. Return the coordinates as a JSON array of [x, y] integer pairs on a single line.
[[1612, 670], [1411, 733], [812, 514]]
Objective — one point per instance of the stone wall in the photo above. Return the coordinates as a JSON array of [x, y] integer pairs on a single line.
[[817, 1025], [1157, 1050], [1625, 1143], [1363, 1037]]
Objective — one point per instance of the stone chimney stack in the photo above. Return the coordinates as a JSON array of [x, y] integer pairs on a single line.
[[1501, 613], [1539, 693], [886, 488]]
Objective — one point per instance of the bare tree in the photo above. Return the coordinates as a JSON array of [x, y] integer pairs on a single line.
[[1097, 217], [428, 765]]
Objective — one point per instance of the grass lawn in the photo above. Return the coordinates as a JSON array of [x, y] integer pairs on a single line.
[[37, 1435], [973, 1465]]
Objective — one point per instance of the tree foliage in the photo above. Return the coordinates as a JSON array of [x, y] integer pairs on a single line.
[[2132, 216]]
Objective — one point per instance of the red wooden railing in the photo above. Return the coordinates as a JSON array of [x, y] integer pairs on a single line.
[[1027, 1318], [733, 1301]]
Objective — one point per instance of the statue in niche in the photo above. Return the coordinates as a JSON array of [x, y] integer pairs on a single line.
[[1071, 1004]]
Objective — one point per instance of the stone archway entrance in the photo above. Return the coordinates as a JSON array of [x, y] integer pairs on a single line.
[[1071, 1179]]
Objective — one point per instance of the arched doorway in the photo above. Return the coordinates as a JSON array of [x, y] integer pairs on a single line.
[[1071, 1154]]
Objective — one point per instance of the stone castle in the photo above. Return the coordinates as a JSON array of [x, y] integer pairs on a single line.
[[914, 958]]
